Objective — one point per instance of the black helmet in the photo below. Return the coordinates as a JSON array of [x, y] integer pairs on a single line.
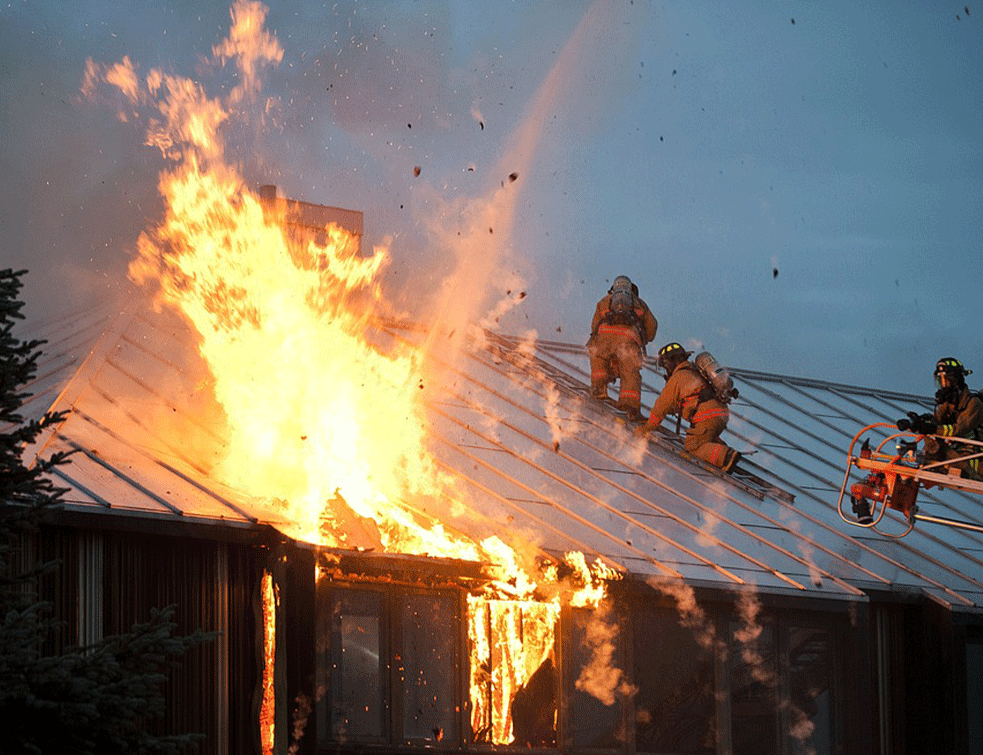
[[672, 352], [950, 375], [951, 365]]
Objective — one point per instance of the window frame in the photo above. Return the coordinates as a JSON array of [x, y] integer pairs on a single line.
[[391, 605], [783, 619]]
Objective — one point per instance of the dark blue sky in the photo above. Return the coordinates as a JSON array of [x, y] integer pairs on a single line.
[[697, 147]]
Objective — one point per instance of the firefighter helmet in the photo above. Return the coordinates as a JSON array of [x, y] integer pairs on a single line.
[[950, 373], [622, 283], [949, 364], [672, 352]]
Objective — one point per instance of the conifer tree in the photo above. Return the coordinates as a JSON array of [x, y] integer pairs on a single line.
[[85, 700]]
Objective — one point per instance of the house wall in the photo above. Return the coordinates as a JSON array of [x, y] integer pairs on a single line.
[[638, 678], [110, 580], [804, 676]]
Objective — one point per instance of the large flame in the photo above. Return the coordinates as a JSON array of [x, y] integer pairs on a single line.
[[318, 417], [325, 420]]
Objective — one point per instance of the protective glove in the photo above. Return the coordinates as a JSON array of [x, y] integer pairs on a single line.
[[924, 424], [904, 424]]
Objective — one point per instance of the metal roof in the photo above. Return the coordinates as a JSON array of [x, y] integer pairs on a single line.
[[536, 456]]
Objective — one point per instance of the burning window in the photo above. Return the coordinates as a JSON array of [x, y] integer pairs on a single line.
[[513, 672], [269, 598]]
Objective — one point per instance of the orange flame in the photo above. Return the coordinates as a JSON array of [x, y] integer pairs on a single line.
[[314, 411], [267, 714], [321, 421]]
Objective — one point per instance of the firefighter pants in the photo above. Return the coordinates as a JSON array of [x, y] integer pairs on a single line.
[[703, 441], [616, 356], [936, 450]]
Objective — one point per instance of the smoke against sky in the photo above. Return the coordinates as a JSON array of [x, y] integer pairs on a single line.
[[795, 186]]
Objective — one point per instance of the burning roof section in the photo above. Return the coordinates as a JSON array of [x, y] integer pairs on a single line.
[[533, 461]]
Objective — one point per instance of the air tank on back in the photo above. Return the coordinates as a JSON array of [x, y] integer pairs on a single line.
[[719, 378]]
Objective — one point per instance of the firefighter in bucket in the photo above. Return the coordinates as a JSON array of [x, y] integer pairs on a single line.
[[621, 327], [958, 414]]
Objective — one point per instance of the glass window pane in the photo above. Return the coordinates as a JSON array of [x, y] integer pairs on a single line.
[[753, 691], [595, 654], [357, 667], [675, 703], [428, 667], [810, 687]]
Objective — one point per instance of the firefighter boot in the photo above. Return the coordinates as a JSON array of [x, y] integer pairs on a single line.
[[730, 460]]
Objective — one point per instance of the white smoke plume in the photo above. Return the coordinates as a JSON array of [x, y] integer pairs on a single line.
[[691, 614], [600, 678], [748, 608]]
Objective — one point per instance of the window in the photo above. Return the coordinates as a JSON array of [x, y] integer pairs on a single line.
[[352, 668], [675, 706], [426, 667], [781, 695], [753, 690], [387, 666], [762, 685], [810, 676], [594, 684]]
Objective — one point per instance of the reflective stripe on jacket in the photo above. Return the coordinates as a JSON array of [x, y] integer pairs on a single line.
[[682, 396], [961, 419]]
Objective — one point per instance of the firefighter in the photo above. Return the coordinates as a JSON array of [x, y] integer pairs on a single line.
[[689, 395], [621, 327], [958, 414]]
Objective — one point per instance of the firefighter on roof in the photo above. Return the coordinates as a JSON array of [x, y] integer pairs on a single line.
[[621, 327], [689, 395], [958, 414]]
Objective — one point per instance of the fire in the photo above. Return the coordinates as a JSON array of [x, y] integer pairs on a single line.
[[318, 419], [322, 423], [267, 714], [524, 634]]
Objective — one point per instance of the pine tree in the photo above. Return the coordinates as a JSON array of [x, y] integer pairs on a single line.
[[84, 700]]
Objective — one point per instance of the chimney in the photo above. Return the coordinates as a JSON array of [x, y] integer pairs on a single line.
[[267, 195]]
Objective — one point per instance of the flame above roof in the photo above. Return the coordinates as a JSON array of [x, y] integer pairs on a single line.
[[538, 460]]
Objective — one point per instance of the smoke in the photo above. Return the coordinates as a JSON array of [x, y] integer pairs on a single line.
[[300, 715], [537, 380], [482, 228], [748, 608], [600, 678], [691, 614], [806, 549]]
